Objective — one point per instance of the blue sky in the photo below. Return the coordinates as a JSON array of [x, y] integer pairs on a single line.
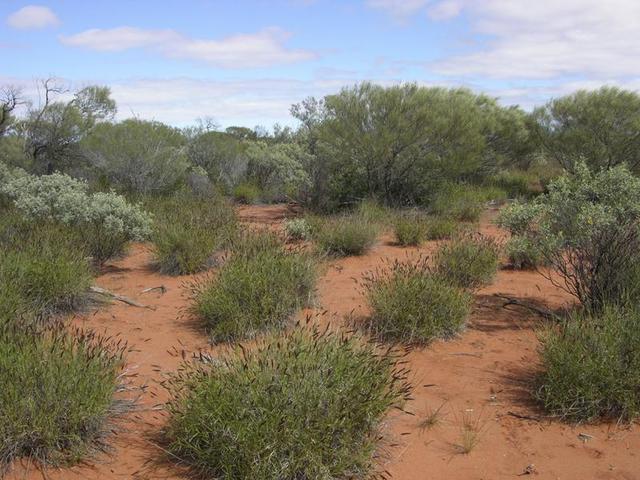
[[244, 62]]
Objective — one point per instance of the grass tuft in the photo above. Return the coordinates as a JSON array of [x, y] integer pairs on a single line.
[[410, 229], [344, 236], [468, 261]]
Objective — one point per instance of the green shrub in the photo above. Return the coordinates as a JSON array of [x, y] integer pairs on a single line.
[[411, 304], [409, 229], [347, 235], [246, 193], [458, 201], [257, 289], [297, 229], [591, 366], [439, 228], [468, 261], [516, 184], [524, 254], [57, 393], [306, 405], [188, 230], [518, 217]]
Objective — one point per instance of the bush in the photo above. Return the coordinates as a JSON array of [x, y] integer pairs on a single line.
[[256, 290], [439, 228], [57, 393], [515, 184], [457, 201], [411, 304], [468, 261], [518, 217], [105, 221], [524, 254], [591, 366], [188, 230], [306, 405], [246, 193], [410, 229], [343, 236], [297, 229]]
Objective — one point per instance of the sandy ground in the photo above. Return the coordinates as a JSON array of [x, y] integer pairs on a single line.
[[481, 376]]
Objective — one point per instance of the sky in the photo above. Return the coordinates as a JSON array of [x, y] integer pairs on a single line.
[[244, 62]]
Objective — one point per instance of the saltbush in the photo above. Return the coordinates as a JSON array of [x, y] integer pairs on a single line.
[[57, 393], [468, 261], [305, 405], [258, 289], [409, 303], [591, 366], [345, 235]]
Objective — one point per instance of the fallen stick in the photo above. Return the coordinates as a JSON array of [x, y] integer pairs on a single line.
[[120, 298], [162, 289]]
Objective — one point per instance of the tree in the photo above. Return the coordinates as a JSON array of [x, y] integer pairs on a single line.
[[10, 98], [600, 127], [221, 155]]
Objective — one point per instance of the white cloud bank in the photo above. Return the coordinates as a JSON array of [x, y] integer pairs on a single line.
[[261, 49], [33, 17]]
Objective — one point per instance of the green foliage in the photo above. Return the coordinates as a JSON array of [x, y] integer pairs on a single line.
[[188, 231], [591, 366], [439, 228], [106, 221], [516, 183], [258, 289], [518, 217], [592, 127], [297, 229], [306, 405], [409, 303], [587, 227], [138, 156], [410, 228], [246, 193], [524, 253], [468, 261], [370, 210], [57, 393], [345, 235], [461, 201]]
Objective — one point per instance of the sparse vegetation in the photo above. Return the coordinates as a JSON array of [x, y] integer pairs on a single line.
[[468, 261], [345, 235], [302, 405], [411, 304]]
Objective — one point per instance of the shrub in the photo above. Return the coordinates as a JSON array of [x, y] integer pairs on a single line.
[[468, 261], [297, 229], [343, 236], [411, 304], [439, 228], [306, 405], [591, 366], [246, 193], [106, 221], [188, 230], [516, 184], [518, 217], [256, 290], [458, 201], [524, 254], [57, 393], [410, 229]]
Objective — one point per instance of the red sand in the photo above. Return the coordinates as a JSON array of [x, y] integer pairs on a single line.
[[483, 375]]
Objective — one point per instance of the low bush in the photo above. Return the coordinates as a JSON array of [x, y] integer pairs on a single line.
[[409, 303], [524, 254], [306, 405], [57, 393], [518, 217], [457, 201], [591, 366], [410, 229], [188, 231], [258, 289], [516, 184], [439, 228], [346, 235], [246, 193], [297, 229], [468, 261]]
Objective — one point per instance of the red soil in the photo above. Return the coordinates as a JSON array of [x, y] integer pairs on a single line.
[[482, 375]]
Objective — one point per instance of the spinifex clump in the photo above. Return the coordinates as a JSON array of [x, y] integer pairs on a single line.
[[304, 405]]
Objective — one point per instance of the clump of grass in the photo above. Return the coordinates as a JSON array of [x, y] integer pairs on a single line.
[[346, 235], [297, 229], [470, 432], [258, 289], [591, 366], [410, 229], [371, 211], [304, 405], [246, 193], [57, 393], [457, 201], [431, 418], [516, 183], [439, 228], [469, 261], [188, 230], [410, 304]]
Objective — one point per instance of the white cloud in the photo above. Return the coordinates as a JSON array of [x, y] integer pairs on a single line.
[[261, 49], [549, 38], [400, 9], [33, 17]]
